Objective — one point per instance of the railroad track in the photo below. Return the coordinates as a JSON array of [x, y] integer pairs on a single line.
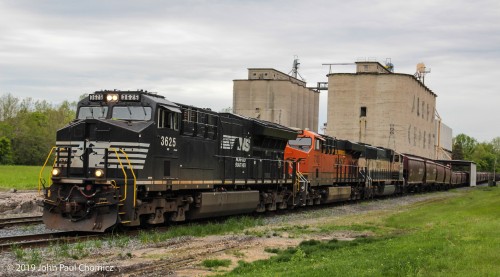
[[182, 258], [39, 240], [25, 220]]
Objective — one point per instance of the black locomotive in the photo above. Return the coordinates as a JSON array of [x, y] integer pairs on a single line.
[[133, 157]]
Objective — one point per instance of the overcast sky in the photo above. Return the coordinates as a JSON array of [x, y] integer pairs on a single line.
[[191, 51]]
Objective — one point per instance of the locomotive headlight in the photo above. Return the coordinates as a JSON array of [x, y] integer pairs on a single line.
[[56, 171], [112, 97], [99, 173]]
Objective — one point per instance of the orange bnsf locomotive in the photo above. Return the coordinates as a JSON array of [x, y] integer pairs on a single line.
[[338, 170]]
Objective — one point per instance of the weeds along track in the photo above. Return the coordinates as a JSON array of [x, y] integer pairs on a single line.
[[19, 221]]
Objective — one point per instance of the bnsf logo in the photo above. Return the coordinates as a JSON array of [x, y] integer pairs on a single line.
[[228, 143]]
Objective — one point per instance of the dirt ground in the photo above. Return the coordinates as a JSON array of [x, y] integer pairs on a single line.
[[19, 202], [184, 256]]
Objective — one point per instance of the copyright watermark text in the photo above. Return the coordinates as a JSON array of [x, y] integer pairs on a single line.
[[24, 267]]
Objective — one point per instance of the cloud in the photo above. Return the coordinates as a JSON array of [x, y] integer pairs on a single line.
[[191, 51]]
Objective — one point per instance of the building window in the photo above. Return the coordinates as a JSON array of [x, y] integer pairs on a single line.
[[427, 112], [409, 134], [418, 106], [424, 138], [362, 112], [414, 136]]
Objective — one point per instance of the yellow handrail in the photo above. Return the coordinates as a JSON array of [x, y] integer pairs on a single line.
[[43, 167], [133, 175], [124, 173], [119, 161]]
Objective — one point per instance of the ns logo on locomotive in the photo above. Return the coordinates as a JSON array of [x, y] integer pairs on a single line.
[[133, 157]]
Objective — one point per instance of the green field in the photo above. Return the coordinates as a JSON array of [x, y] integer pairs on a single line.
[[457, 236], [19, 177]]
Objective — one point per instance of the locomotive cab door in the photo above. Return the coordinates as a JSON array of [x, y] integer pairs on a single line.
[[315, 177], [167, 142]]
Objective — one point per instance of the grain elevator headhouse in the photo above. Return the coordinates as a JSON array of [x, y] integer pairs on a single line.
[[379, 107]]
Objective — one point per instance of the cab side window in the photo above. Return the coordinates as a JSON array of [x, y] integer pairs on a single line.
[[168, 119], [318, 145]]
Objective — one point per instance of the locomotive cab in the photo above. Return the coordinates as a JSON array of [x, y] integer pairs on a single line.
[[101, 154]]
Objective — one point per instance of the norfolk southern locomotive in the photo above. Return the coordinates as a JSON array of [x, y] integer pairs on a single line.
[[132, 157]]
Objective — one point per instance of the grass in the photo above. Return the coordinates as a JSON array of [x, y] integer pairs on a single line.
[[214, 263], [28, 256], [231, 225], [452, 237], [20, 177]]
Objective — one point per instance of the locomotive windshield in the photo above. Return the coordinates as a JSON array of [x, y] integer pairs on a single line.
[[301, 143], [119, 112], [92, 112], [131, 113]]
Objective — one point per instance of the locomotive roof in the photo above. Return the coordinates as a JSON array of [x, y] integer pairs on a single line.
[[267, 128], [350, 146], [260, 127], [151, 97]]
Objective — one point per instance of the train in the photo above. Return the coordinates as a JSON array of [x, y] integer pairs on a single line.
[[133, 158]]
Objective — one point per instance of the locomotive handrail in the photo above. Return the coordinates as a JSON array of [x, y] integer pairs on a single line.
[[43, 168], [300, 179], [125, 173], [133, 174]]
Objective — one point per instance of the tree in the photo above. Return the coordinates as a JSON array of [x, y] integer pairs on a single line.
[[30, 127], [226, 110], [5, 151], [457, 153], [484, 157], [496, 148], [8, 106], [467, 144]]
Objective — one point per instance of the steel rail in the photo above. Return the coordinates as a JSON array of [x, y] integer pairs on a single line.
[[25, 220]]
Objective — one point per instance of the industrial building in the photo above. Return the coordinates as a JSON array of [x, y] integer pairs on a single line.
[[382, 108], [271, 95]]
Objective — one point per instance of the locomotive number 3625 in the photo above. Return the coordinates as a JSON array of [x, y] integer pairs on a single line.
[[167, 141]]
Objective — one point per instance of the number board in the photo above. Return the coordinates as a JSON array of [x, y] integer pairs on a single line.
[[96, 97], [130, 97]]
